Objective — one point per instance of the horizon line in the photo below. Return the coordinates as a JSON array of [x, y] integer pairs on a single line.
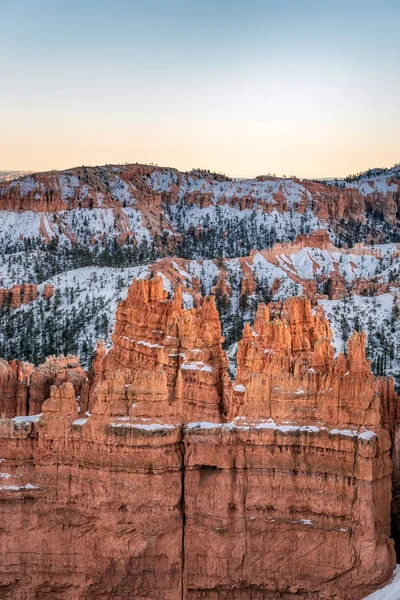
[[122, 164]]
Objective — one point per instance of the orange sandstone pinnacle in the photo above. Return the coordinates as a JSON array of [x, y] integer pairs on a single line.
[[169, 361]]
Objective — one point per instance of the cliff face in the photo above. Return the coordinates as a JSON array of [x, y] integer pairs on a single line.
[[141, 200], [14, 377], [166, 362], [287, 369], [24, 388], [180, 484], [291, 476], [103, 512]]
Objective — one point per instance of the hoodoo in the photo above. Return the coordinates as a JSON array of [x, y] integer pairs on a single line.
[[169, 361], [166, 480]]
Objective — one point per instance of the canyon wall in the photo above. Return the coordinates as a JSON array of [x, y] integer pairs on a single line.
[[165, 480], [154, 190], [24, 388]]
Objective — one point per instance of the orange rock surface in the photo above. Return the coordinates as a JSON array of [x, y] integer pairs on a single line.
[[24, 388], [14, 390], [48, 291], [181, 484], [18, 295], [166, 362]]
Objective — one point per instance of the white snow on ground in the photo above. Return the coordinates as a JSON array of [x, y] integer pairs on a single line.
[[261, 192], [80, 422], [18, 488], [13, 224], [281, 223], [83, 224], [106, 282], [371, 312], [197, 366], [144, 426], [27, 419], [307, 263], [75, 292], [161, 181], [206, 270], [375, 180], [239, 388], [26, 185], [231, 353], [68, 183], [265, 270], [135, 218], [99, 225], [109, 285], [241, 423], [167, 285], [187, 301], [378, 183], [121, 190], [390, 591], [258, 189], [382, 180]]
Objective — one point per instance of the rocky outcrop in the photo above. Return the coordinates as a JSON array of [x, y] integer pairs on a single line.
[[106, 187], [48, 291], [30, 293], [305, 424], [332, 203], [91, 507], [287, 368], [54, 372], [152, 191], [312, 263], [222, 290], [18, 294], [166, 362], [24, 388], [336, 286], [180, 484], [386, 205], [14, 388]]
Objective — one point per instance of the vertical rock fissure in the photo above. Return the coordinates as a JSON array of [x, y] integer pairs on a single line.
[[183, 520]]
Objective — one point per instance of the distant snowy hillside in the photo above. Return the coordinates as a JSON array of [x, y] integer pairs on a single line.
[[10, 175], [87, 232]]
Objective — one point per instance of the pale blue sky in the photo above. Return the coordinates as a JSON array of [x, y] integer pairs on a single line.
[[305, 87]]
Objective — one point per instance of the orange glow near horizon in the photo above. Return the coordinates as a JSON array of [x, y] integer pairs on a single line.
[[308, 89], [238, 154]]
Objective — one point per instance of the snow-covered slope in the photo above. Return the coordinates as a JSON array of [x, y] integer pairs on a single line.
[[93, 207], [88, 231], [82, 309], [373, 180]]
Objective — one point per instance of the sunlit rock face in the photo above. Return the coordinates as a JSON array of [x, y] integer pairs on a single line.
[[158, 477], [166, 362]]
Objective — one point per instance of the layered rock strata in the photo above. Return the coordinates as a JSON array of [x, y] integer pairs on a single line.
[[166, 362], [154, 191], [179, 484], [24, 388]]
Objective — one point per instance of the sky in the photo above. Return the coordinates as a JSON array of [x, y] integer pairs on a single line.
[[289, 87]]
